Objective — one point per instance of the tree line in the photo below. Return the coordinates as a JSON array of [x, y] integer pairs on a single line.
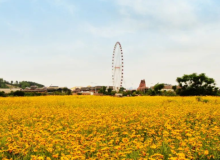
[[188, 85], [17, 84], [60, 91]]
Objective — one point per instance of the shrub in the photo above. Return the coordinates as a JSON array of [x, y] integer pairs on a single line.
[[134, 94], [19, 93], [169, 93], [199, 99], [2, 94], [205, 101]]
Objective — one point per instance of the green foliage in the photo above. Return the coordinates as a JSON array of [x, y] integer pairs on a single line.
[[151, 92], [34, 94], [205, 100], [200, 99], [102, 90], [121, 90], [109, 91], [169, 93], [3, 84], [127, 93], [25, 84], [158, 87], [61, 91], [113, 93], [194, 84], [174, 88], [18, 93], [134, 94], [2, 94], [67, 91]]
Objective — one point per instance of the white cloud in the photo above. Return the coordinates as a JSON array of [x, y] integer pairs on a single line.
[[177, 13], [147, 15], [168, 14]]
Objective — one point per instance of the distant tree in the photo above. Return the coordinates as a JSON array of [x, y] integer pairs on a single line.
[[174, 88], [6, 82], [109, 91], [134, 94], [2, 94], [158, 87], [151, 92], [60, 90], [194, 84], [129, 93], [25, 84], [102, 90], [3, 83], [19, 93], [67, 91], [122, 89], [113, 93], [11, 82]]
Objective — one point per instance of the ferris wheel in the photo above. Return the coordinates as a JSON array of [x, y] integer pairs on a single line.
[[117, 67]]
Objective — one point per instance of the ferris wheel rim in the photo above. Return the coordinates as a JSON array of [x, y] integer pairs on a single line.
[[121, 68]]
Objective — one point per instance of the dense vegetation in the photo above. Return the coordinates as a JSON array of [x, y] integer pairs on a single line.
[[25, 84], [16, 84], [3, 84], [188, 85], [193, 84], [64, 91]]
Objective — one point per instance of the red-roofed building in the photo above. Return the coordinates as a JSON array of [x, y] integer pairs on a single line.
[[142, 86]]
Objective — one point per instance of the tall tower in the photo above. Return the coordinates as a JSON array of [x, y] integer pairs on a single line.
[[142, 85]]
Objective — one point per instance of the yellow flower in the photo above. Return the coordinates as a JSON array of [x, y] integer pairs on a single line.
[[153, 146], [55, 156], [206, 152], [84, 127]]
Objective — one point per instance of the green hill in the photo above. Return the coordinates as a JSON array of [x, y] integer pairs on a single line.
[[16, 84]]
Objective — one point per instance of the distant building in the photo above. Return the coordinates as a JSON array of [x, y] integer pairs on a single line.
[[142, 86], [167, 87], [75, 88], [89, 89], [52, 89]]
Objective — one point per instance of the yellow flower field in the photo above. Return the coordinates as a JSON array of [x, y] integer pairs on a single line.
[[90, 127]]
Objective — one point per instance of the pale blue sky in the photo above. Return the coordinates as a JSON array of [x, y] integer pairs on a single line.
[[70, 42]]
